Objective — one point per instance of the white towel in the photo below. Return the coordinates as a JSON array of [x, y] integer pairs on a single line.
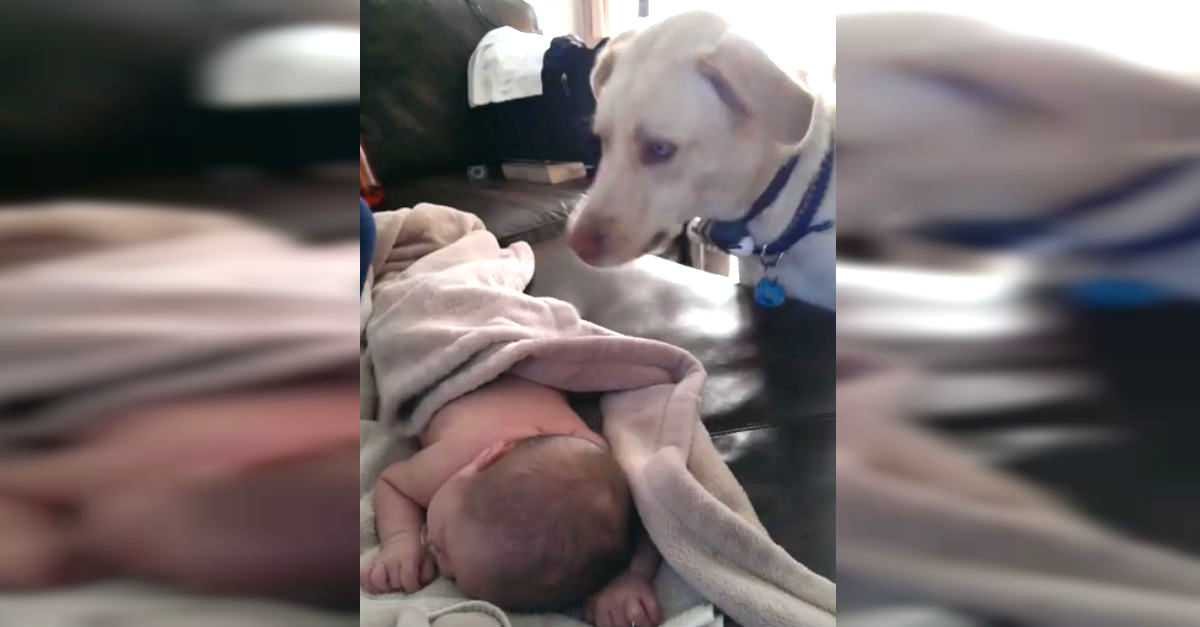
[[506, 65]]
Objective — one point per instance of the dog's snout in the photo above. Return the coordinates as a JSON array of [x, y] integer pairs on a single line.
[[587, 242]]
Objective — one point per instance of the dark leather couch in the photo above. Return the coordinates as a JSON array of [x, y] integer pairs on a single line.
[[414, 114], [769, 402], [98, 91]]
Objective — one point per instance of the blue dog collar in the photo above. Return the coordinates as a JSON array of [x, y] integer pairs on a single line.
[[733, 236]]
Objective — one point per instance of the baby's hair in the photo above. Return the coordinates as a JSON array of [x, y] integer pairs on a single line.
[[557, 511]]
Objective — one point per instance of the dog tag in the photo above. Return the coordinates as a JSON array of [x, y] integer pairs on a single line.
[[768, 293]]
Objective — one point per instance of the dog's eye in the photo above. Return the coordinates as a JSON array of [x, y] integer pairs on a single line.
[[657, 151]]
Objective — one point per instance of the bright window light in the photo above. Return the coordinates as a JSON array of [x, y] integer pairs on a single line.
[[1158, 33]]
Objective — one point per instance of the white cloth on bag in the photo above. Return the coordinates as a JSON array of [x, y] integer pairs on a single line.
[[506, 65]]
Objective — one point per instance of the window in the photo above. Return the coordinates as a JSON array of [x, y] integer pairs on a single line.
[[805, 28]]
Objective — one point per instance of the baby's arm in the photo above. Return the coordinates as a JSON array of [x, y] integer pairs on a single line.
[[396, 513], [645, 557], [402, 562], [401, 493], [630, 599]]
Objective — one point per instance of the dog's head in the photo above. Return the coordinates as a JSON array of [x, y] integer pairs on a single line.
[[692, 118]]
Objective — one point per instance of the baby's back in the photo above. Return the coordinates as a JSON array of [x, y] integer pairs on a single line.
[[509, 408]]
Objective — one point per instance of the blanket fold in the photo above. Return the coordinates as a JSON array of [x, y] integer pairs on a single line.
[[456, 318], [128, 304]]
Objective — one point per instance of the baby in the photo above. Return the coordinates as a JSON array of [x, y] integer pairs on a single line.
[[160, 491], [525, 508]]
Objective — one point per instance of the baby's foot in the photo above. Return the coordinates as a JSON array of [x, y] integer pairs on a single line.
[[626, 600], [403, 563]]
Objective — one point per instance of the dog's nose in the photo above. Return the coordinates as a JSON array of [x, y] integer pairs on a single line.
[[587, 243]]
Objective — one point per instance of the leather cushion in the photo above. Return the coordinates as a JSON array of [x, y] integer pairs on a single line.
[[512, 210], [414, 79], [766, 366]]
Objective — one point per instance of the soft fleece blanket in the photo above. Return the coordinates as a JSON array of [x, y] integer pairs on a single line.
[[447, 314], [919, 517], [104, 306]]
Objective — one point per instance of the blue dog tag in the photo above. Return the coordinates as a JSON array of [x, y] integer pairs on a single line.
[[768, 293]]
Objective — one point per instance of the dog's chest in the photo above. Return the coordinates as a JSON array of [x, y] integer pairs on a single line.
[[806, 272], [787, 249]]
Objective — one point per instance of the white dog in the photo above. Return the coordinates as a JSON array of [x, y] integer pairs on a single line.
[[697, 121]]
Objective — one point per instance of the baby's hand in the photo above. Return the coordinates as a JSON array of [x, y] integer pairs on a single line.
[[626, 600], [402, 563]]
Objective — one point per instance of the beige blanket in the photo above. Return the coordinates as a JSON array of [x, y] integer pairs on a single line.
[[106, 306], [441, 324], [919, 517]]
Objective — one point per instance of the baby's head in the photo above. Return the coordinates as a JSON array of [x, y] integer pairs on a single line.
[[535, 526]]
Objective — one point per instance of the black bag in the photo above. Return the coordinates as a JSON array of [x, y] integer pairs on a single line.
[[555, 126]]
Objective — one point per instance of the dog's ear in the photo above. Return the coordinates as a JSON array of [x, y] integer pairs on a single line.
[[607, 60], [755, 88]]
